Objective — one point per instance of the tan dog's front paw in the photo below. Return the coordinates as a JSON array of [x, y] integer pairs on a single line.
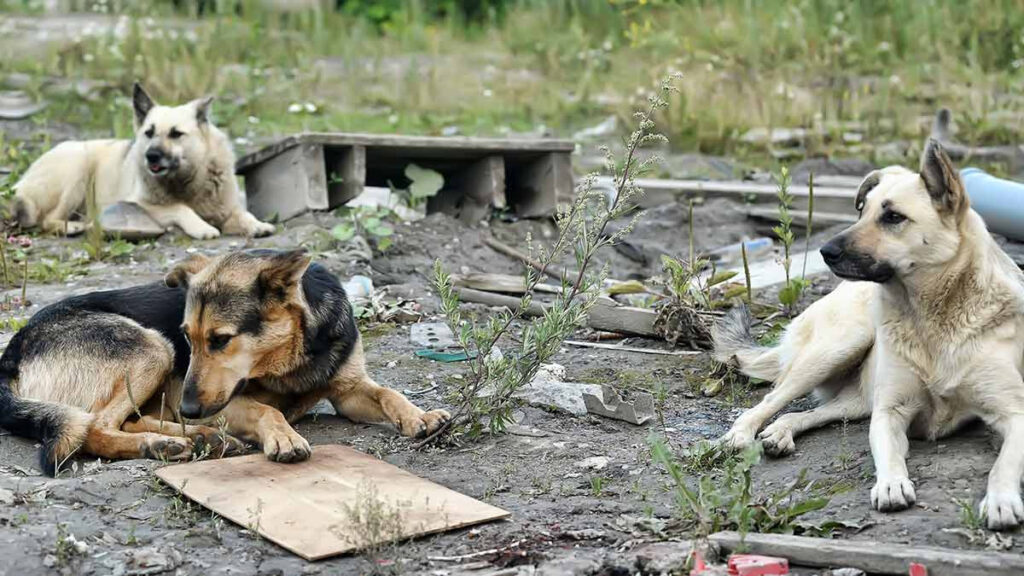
[[424, 423], [286, 446], [167, 448], [259, 229]]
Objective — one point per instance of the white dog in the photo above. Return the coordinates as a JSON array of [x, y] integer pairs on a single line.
[[929, 335], [179, 168]]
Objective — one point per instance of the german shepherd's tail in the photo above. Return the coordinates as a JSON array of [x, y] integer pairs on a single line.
[[735, 345], [60, 428]]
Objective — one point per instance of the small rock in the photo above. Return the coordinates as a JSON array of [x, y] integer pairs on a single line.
[[6, 496], [593, 463], [17, 105], [49, 560], [846, 572], [547, 390], [130, 222], [663, 557]]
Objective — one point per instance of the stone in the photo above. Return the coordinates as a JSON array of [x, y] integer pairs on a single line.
[[129, 221], [611, 405], [663, 557], [549, 390]]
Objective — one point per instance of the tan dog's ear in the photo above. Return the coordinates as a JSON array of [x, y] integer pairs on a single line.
[[202, 107], [942, 180], [283, 272], [141, 103], [180, 274], [869, 183]]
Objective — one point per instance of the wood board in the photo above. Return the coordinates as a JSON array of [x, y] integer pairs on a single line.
[[307, 508], [872, 557]]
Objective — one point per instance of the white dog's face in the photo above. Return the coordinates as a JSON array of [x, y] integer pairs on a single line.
[[908, 221], [173, 138]]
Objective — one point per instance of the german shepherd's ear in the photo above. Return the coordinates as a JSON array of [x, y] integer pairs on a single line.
[[869, 183], [202, 107], [142, 104], [942, 180], [180, 274], [283, 271]]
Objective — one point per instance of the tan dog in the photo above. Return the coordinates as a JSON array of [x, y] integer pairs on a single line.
[[179, 168], [927, 336], [256, 337]]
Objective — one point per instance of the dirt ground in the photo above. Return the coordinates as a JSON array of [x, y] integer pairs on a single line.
[[127, 523]]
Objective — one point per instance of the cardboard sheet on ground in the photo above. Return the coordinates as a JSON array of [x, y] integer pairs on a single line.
[[307, 508]]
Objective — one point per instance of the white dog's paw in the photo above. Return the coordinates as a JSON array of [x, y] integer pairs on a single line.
[[893, 494], [1002, 510], [259, 229], [737, 439], [202, 232], [777, 439]]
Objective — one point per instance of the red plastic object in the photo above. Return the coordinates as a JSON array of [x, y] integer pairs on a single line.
[[918, 569], [757, 565], [698, 564]]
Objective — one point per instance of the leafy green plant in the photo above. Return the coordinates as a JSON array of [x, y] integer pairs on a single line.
[[424, 183], [725, 499], [790, 293], [487, 395], [367, 221]]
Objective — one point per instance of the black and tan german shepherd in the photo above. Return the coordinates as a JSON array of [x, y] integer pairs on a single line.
[[251, 339]]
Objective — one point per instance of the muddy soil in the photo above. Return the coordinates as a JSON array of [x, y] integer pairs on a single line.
[[563, 520]]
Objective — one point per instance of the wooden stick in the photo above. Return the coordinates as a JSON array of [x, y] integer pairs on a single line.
[[556, 272], [872, 557], [604, 346], [604, 314]]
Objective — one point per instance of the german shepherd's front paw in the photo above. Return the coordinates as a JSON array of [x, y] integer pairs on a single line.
[[286, 446], [424, 424], [166, 448], [893, 494], [1002, 510]]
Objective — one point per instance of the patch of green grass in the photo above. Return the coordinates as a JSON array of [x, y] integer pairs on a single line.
[[833, 67]]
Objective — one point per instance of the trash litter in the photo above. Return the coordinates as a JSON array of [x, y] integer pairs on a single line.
[[757, 565], [445, 357], [756, 248], [611, 405], [358, 286], [917, 569], [433, 335]]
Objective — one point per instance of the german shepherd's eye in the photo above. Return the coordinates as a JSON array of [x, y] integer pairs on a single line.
[[150, 131], [174, 134], [892, 217], [218, 342]]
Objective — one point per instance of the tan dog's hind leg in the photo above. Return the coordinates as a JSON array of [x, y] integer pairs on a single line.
[[258, 422], [849, 404], [183, 217], [217, 442], [145, 374], [357, 397]]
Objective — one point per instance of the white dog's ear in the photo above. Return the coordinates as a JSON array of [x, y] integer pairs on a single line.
[[182, 273], [869, 183], [942, 180], [202, 106], [142, 104]]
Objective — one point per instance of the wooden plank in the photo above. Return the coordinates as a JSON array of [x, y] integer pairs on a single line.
[[534, 188], [605, 314], [822, 220], [829, 199], [346, 174], [307, 507], [399, 142], [288, 185], [873, 557], [470, 193]]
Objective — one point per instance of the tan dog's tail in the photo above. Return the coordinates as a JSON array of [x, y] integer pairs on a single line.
[[735, 345], [26, 212], [61, 429]]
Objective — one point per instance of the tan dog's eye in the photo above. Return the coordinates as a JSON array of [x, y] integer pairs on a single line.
[[150, 131], [217, 342], [174, 134]]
